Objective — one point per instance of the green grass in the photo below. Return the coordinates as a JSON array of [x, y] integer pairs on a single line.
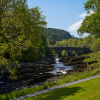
[[63, 79], [88, 90]]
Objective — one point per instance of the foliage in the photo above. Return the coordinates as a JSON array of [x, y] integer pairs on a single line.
[[91, 24], [54, 35], [62, 43], [53, 38], [92, 4], [87, 41], [96, 45], [11, 37], [54, 53], [64, 53], [22, 35], [68, 43], [95, 56], [74, 54]]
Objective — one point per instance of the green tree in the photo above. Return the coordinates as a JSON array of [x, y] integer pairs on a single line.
[[96, 45], [68, 43], [34, 29], [11, 37], [91, 24], [62, 43], [87, 41], [20, 32], [53, 38]]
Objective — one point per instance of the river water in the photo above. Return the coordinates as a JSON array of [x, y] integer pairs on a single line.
[[59, 68]]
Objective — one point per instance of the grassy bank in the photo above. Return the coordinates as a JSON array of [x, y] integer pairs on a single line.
[[63, 79], [88, 90]]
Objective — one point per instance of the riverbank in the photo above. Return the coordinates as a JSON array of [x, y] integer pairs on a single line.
[[77, 62], [34, 74], [53, 81], [58, 81], [50, 82], [30, 74]]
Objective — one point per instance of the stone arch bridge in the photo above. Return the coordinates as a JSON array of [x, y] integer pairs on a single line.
[[69, 50]]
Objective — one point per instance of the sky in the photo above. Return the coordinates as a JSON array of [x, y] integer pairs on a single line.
[[62, 14]]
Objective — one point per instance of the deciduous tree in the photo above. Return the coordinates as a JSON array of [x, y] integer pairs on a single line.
[[20, 31], [91, 24]]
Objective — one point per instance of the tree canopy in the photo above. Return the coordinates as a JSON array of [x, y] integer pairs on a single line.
[[54, 35], [91, 24], [21, 34]]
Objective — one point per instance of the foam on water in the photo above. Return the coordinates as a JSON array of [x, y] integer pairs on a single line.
[[59, 68]]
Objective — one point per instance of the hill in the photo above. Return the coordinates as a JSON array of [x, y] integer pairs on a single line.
[[62, 34], [54, 35]]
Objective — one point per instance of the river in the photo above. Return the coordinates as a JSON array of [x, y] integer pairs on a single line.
[[59, 68]]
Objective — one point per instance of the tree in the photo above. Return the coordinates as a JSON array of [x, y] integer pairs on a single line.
[[53, 38], [20, 31], [12, 39], [61, 43], [96, 45], [34, 31], [91, 24], [87, 41], [68, 43]]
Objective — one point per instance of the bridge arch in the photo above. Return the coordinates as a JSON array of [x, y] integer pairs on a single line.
[[60, 52], [69, 50], [74, 53], [64, 53]]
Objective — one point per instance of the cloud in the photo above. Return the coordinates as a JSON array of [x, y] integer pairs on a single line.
[[75, 26], [85, 14], [82, 15], [91, 12]]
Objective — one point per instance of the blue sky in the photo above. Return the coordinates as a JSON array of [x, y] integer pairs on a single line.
[[62, 14]]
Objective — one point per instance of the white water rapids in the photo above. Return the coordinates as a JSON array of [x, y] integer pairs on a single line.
[[59, 68]]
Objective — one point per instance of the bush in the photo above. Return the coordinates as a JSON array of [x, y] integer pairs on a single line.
[[64, 53], [74, 53]]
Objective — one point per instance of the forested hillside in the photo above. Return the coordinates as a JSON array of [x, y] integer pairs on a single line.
[[54, 35], [61, 34]]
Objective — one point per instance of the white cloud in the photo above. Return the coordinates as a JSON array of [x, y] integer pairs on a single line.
[[91, 12], [75, 26], [85, 14], [82, 15]]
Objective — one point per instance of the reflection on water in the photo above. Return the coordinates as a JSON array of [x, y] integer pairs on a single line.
[[59, 68]]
